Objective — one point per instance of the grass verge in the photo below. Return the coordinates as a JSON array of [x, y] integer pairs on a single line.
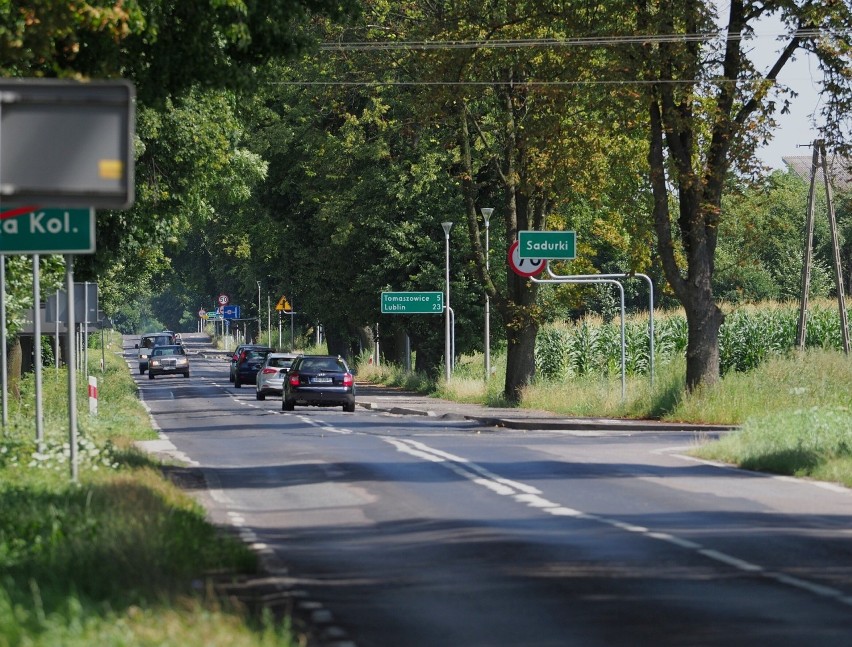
[[123, 556]]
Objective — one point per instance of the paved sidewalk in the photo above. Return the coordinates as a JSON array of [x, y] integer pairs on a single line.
[[401, 402]]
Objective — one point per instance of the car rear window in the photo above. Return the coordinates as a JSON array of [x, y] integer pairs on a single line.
[[280, 362], [322, 364]]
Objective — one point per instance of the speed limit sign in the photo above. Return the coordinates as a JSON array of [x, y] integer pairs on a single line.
[[524, 266], [223, 300]]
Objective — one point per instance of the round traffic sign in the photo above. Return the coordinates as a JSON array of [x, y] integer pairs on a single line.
[[202, 312], [223, 300], [524, 266]]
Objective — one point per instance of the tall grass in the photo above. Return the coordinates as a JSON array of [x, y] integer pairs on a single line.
[[122, 556]]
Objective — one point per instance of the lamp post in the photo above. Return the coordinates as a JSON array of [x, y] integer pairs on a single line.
[[447, 352], [486, 215], [259, 320]]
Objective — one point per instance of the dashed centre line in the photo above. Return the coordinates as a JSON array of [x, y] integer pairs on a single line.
[[531, 497]]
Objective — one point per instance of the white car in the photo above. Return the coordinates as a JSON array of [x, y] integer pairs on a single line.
[[270, 378]]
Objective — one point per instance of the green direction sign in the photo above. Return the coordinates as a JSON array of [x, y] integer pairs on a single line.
[[405, 303], [560, 245], [32, 230]]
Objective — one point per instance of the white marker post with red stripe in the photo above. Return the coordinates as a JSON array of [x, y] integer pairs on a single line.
[[93, 395]]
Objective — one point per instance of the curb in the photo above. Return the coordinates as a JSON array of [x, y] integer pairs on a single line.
[[565, 424]]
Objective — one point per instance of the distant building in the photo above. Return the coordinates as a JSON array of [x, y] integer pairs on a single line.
[[839, 168]]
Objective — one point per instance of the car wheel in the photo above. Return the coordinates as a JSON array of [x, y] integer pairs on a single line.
[[186, 374], [141, 370], [349, 407], [230, 377], [237, 383], [260, 396], [287, 405], [150, 375]]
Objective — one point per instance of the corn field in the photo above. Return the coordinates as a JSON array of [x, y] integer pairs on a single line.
[[748, 336]]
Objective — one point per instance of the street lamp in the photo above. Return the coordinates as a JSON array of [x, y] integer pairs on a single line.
[[259, 320], [486, 215], [447, 358]]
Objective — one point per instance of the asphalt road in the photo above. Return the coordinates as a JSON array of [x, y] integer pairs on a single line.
[[409, 531]]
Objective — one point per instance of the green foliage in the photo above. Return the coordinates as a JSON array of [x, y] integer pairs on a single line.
[[762, 241]]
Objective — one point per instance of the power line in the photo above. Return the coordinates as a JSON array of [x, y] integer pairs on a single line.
[[586, 41], [714, 81]]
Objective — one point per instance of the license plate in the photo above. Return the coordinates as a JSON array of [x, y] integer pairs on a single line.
[[321, 380]]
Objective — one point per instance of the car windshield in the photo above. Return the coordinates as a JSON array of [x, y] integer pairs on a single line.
[[322, 364], [167, 351], [156, 340]]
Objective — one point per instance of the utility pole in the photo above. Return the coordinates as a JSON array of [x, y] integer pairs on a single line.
[[819, 163]]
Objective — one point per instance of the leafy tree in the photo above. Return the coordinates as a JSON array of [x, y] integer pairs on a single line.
[[166, 47], [707, 109], [528, 148], [761, 241], [353, 206]]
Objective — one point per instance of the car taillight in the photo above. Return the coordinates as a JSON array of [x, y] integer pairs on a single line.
[[242, 356], [269, 371], [294, 379], [347, 379]]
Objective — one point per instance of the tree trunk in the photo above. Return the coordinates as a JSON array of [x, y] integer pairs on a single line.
[[520, 361], [428, 359], [704, 318], [14, 359]]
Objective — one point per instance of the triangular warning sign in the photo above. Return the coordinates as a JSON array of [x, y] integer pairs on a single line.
[[283, 304]]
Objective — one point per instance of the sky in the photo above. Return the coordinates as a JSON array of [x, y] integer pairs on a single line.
[[795, 133]]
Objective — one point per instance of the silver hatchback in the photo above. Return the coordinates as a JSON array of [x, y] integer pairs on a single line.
[[270, 378]]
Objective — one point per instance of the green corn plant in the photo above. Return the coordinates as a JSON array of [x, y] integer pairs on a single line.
[[581, 348], [638, 350], [551, 353]]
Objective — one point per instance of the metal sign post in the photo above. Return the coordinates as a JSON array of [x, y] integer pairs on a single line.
[[3, 362], [592, 278], [72, 362], [37, 350]]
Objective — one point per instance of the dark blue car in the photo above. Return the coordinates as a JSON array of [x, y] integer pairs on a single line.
[[249, 362]]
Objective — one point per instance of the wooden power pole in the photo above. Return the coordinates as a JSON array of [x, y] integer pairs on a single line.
[[819, 161]]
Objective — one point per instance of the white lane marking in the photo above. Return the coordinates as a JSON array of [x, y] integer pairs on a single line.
[[487, 474], [523, 493], [740, 564], [324, 425], [811, 587], [562, 511], [673, 539]]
